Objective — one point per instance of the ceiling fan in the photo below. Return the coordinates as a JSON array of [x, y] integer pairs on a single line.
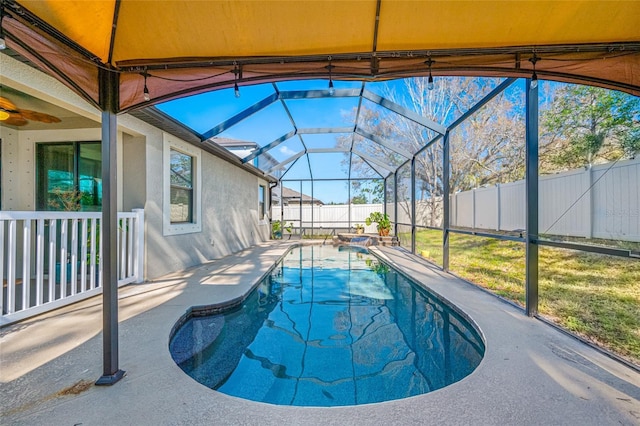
[[13, 116]]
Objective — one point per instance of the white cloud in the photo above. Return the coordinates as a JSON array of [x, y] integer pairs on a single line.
[[287, 151]]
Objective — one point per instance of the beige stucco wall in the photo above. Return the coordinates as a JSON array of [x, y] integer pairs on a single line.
[[20, 163], [12, 182], [229, 215], [229, 194], [229, 212], [134, 170]]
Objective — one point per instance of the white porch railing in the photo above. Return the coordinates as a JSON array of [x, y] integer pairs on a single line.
[[52, 259]]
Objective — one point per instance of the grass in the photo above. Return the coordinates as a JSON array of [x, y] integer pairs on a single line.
[[594, 296]]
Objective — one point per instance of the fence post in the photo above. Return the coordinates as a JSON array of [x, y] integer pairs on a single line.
[[139, 258], [2, 222], [26, 264], [589, 195], [453, 206], [473, 208], [12, 246], [498, 207]]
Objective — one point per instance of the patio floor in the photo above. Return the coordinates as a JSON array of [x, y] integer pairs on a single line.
[[531, 372]]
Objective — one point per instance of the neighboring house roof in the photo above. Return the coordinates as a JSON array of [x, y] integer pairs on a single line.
[[289, 195]]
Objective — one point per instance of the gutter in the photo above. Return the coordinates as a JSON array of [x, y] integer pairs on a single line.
[[156, 118]]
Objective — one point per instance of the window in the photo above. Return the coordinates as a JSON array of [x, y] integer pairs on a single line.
[[181, 166], [262, 195], [182, 189], [69, 176]]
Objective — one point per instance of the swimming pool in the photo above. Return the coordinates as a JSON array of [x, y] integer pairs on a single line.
[[330, 327]]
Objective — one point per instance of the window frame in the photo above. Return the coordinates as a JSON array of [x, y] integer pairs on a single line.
[[173, 186], [171, 143], [76, 148]]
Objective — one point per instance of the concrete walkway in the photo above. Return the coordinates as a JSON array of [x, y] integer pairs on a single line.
[[531, 373]]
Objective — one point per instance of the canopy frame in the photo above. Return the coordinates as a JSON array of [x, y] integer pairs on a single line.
[[612, 62]]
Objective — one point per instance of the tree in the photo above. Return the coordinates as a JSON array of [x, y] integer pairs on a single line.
[[489, 148], [482, 150], [630, 142], [585, 125], [368, 191], [359, 199]]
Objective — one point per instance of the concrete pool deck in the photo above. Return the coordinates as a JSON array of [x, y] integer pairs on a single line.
[[531, 372]]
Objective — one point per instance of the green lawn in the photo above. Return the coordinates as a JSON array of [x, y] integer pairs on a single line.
[[592, 295]]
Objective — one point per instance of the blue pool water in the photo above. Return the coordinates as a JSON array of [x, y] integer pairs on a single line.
[[330, 326]]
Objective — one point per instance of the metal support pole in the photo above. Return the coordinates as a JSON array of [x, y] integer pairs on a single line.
[[281, 211], [445, 200], [531, 182], [395, 200], [109, 88], [413, 204], [384, 195], [349, 204]]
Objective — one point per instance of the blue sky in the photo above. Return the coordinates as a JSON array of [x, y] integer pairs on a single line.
[[205, 111]]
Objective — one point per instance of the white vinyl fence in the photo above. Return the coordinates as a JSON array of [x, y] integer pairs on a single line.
[[51, 259], [600, 202], [328, 216]]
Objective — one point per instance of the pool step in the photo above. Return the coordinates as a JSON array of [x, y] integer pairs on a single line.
[[347, 238], [390, 240]]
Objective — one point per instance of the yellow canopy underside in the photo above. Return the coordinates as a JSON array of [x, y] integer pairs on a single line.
[[178, 29], [176, 48]]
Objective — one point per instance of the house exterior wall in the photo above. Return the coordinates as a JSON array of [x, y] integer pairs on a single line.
[[134, 168], [11, 180], [20, 163], [229, 213], [229, 194]]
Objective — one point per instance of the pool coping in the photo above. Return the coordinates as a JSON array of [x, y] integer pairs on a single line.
[[531, 372], [219, 307], [380, 255]]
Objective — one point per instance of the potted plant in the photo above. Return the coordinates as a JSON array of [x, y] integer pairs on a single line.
[[71, 200], [277, 227], [382, 219], [65, 200], [359, 228]]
